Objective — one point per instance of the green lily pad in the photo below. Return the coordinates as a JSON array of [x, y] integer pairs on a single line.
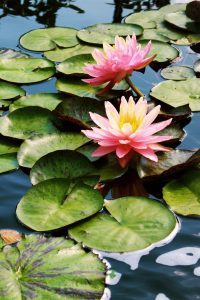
[[180, 20], [146, 19], [8, 162], [182, 194], [26, 70], [34, 148], [60, 54], [106, 32], [11, 53], [178, 93], [170, 8], [75, 64], [75, 86], [177, 73], [50, 268], [28, 121], [10, 91], [76, 110], [8, 145], [87, 151], [61, 164], [134, 223], [66, 204], [153, 34], [170, 32], [163, 51], [4, 103], [197, 66], [48, 38], [45, 100]]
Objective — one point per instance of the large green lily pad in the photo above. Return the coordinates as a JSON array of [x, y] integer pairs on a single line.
[[170, 8], [180, 20], [146, 19], [26, 70], [48, 38], [75, 64], [59, 203], [8, 162], [34, 148], [177, 73], [45, 100], [106, 32], [76, 110], [178, 93], [134, 223], [163, 51], [50, 268], [60, 54], [10, 91], [183, 195], [61, 164], [28, 121]]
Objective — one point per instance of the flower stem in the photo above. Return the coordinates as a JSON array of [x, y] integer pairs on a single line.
[[134, 88]]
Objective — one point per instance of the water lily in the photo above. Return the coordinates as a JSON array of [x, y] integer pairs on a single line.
[[128, 132], [117, 62]]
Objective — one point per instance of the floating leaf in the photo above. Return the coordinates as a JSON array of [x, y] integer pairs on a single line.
[[45, 100], [170, 8], [163, 51], [50, 268], [8, 145], [182, 194], [106, 32], [48, 38], [180, 20], [146, 19], [134, 223], [10, 91], [4, 103], [75, 64], [170, 32], [34, 148], [10, 236], [87, 151], [76, 110], [8, 162], [60, 54], [26, 70], [58, 204], [153, 34], [178, 93], [177, 73], [28, 121], [61, 164]]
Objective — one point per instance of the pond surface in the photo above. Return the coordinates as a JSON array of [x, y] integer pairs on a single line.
[[157, 274]]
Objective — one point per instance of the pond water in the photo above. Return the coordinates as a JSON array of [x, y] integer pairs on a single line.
[[168, 272]]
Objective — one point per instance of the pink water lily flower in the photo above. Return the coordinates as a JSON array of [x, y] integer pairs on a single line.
[[129, 131], [116, 62]]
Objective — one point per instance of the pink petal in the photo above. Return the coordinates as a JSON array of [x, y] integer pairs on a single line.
[[99, 120], [112, 115], [151, 116], [156, 127], [148, 153], [123, 161], [98, 56], [101, 151], [158, 147], [122, 150]]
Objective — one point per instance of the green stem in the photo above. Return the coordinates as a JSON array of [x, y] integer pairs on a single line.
[[134, 88]]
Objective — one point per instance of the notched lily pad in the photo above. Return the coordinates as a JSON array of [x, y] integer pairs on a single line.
[[66, 204], [48, 38], [134, 223], [34, 148], [177, 73], [106, 32], [183, 195], [50, 268]]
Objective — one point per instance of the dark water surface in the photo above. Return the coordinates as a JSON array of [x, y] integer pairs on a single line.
[[151, 280]]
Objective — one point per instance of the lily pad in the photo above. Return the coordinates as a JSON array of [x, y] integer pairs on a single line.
[[66, 204], [8, 145], [170, 32], [180, 20], [178, 93], [182, 194], [12, 53], [4, 103], [26, 70], [60, 54], [34, 148], [28, 121], [76, 110], [75, 64], [48, 38], [106, 32], [45, 100], [146, 19], [153, 34], [175, 131], [170, 8], [10, 91], [61, 164], [87, 151], [177, 73], [134, 223], [8, 162], [50, 268], [163, 51]]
